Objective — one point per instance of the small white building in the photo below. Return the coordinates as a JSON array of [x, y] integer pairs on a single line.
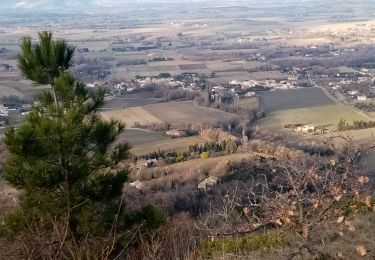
[[93, 85], [362, 98], [120, 86], [250, 94], [3, 110], [208, 183], [234, 82], [176, 133], [353, 92], [305, 129]]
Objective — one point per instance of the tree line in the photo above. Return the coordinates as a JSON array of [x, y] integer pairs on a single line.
[[356, 125]]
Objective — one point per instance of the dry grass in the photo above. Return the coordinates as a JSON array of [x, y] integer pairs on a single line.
[[7, 91], [175, 113], [225, 77], [319, 116], [177, 144], [264, 75], [8, 198], [239, 65], [184, 172], [308, 41], [131, 116]]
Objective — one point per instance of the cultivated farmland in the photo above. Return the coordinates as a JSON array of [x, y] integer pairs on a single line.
[[167, 144], [304, 106], [123, 102], [175, 113], [273, 101], [136, 137], [327, 116], [145, 141]]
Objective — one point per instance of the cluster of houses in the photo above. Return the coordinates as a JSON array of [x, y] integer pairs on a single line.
[[256, 57], [289, 83], [347, 86], [356, 95], [8, 110], [186, 82]]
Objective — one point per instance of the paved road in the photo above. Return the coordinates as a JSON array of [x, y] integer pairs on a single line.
[[324, 90]]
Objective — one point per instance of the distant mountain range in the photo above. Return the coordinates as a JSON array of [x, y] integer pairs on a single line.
[[68, 6], [60, 5], [112, 6]]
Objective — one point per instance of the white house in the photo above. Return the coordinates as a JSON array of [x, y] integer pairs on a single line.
[[3, 110], [208, 183], [353, 92], [306, 129], [234, 82], [250, 94], [176, 133], [362, 98]]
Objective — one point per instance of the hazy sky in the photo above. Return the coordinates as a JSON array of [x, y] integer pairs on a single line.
[[116, 5], [29, 4], [92, 5], [48, 4]]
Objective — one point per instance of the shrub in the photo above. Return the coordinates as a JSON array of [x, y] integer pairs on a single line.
[[205, 155], [241, 245], [149, 214]]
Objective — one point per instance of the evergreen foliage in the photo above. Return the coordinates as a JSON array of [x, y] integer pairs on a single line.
[[64, 157], [45, 60]]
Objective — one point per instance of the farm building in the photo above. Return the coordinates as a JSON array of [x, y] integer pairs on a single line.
[[208, 183], [362, 98], [176, 133], [305, 129], [250, 94], [3, 111], [353, 92]]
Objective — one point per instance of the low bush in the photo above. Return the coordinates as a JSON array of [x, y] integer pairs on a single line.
[[214, 247]]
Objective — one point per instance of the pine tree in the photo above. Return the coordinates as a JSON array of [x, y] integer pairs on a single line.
[[64, 157], [45, 60]]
